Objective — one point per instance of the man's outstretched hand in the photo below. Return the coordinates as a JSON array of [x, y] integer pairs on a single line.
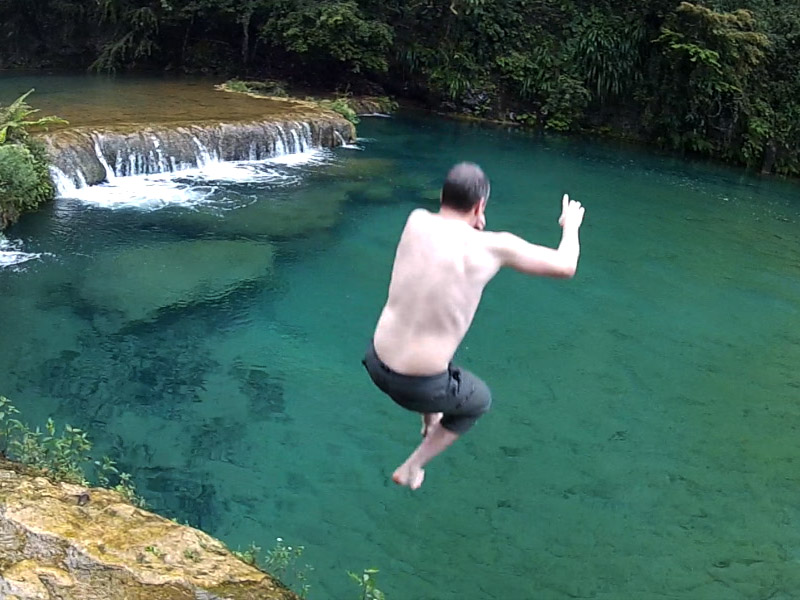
[[571, 213]]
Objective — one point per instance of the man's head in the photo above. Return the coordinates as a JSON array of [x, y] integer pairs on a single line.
[[465, 187], [466, 190]]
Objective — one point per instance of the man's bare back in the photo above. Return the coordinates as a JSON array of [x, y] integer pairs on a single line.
[[442, 265], [440, 270]]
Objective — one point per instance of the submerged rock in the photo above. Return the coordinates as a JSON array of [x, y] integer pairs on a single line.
[[137, 283], [279, 215], [75, 543]]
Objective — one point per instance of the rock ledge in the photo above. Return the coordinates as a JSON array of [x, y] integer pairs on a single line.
[[68, 542]]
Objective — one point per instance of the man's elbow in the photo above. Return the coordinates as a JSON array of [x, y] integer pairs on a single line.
[[565, 271]]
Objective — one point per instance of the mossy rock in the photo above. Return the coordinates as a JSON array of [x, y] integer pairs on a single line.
[[53, 546]]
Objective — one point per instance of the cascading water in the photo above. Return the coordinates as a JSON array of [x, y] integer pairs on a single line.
[[82, 158]]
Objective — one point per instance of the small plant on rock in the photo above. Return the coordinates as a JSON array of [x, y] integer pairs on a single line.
[[366, 581], [60, 456]]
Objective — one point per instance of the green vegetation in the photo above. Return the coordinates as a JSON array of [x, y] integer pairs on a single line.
[[366, 581], [281, 563], [59, 456], [342, 106], [155, 551], [24, 177], [266, 88], [191, 554], [717, 79]]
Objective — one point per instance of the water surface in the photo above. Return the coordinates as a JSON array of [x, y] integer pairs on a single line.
[[643, 438], [103, 101]]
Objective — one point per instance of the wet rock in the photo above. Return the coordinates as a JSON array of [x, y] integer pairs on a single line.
[[137, 283], [50, 547], [87, 156]]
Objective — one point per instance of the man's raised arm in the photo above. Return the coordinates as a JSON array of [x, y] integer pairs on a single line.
[[533, 259]]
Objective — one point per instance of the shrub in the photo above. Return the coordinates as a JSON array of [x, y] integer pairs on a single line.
[[59, 456], [24, 175], [342, 106], [24, 180]]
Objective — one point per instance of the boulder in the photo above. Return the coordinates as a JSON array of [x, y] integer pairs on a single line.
[[69, 542]]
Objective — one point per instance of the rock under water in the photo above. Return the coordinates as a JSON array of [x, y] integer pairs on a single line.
[[136, 283]]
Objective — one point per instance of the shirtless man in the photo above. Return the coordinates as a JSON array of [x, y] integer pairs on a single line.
[[443, 262]]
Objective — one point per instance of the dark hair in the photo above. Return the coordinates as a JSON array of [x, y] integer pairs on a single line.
[[464, 187]]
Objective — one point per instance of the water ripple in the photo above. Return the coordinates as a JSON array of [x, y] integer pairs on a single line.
[[11, 253]]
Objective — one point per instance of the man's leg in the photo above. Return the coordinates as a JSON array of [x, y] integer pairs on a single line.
[[473, 398], [411, 472], [429, 419]]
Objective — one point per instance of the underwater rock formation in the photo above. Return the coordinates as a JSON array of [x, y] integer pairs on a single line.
[[138, 282]]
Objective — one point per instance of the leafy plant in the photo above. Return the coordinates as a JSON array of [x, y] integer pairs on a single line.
[[368, 585], [24, 175], [16, 122], [235, 85], [60, 456], [267, 87], [280, 562], [342, 106], [249, 555], [330, 34]]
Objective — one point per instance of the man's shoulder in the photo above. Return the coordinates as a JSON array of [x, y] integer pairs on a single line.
[[417, 217], [418, 213]]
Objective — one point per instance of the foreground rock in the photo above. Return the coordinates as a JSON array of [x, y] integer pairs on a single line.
[[67, 542], [136, 283]]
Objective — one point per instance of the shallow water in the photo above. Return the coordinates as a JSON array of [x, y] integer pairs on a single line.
[[643, 438], [103, 100]]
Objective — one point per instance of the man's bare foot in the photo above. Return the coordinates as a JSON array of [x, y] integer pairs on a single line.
[[409, 476], [428, 420]]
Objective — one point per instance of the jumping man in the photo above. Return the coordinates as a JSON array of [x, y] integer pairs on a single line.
[[443, 262]]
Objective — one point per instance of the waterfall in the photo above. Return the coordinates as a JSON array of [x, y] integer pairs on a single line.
[[82, 157]]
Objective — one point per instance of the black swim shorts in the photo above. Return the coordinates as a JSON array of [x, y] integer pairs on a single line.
[[460, 395]]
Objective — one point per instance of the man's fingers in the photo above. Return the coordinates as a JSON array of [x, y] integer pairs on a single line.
[[564, 202]]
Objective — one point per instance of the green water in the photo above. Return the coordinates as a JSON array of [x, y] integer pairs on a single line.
[[643, 438]]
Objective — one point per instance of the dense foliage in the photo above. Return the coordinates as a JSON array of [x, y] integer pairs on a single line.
[[24, 176], [719, 79]]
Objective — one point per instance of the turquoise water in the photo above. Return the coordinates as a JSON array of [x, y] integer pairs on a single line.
[[643, 439]]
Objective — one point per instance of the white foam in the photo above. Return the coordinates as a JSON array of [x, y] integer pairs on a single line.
[[11, 254], [197, 186], [299, 159]]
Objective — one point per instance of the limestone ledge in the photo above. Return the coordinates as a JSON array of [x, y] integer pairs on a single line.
[[275, 126], [70, 542]]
